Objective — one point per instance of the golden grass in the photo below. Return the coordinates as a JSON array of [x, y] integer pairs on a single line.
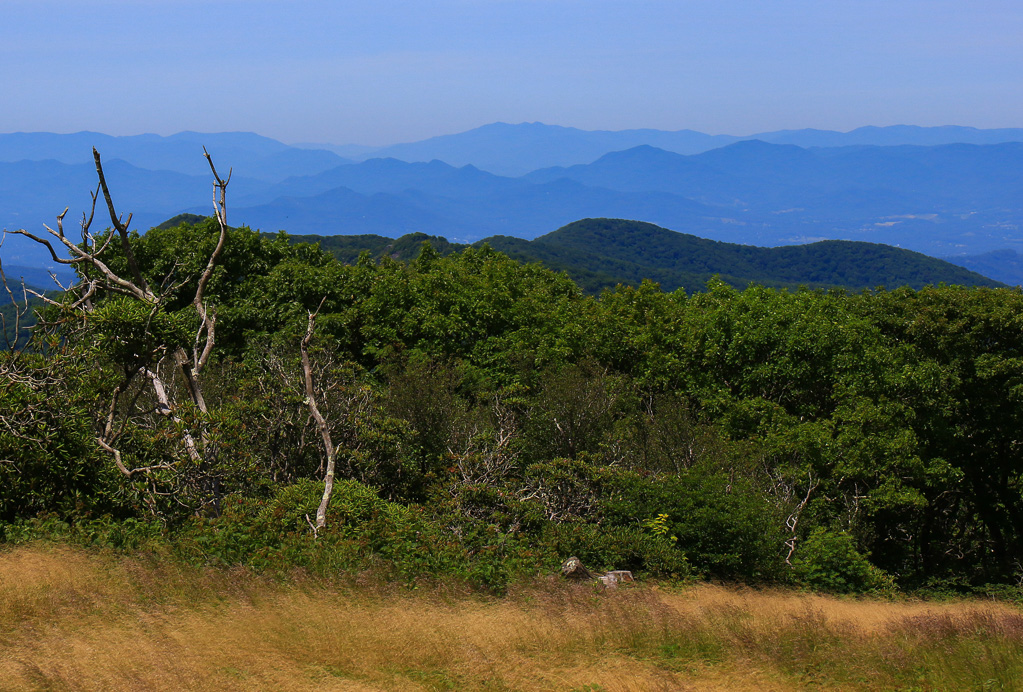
[[72, 620]]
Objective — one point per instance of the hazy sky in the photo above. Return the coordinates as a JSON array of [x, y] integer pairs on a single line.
[[384, 71]]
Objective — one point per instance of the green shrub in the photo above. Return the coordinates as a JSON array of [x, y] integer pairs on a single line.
[[829, 561], [363, 531], [127, 534], [274, 533], [606, 548], [49, 460], [725, 526]]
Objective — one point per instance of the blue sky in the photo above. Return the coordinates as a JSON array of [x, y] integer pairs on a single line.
[[391, 71]]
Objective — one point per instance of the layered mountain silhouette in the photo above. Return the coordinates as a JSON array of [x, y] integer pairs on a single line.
[[903, 186], [252, 155], [517, 149], [956, 199]]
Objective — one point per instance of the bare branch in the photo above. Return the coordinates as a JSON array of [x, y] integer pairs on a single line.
[[316, 530], [18, 312], [86, 221], [484, 456], [208, 318], [136, 399], [191, 382], [21, 308], [793, 519], [113, 281], [107, 438], [321, 423], [165, 409], [119, 226]]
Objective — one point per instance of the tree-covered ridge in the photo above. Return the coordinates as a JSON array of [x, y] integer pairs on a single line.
[[347, 248], [602, 253], [491, 419], [829, 263]]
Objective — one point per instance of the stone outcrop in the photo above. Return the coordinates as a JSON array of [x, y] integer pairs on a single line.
[[573, 569]]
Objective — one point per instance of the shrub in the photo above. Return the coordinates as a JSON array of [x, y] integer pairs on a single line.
[[607, 548], [725, 526], [829, 561]]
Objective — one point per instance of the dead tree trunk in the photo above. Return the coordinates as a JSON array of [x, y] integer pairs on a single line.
[[321, 423]]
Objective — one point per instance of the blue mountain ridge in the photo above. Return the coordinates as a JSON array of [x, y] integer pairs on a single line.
[[516, 149], [947, 200]]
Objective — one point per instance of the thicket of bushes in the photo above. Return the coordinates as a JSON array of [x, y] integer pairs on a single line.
[[492, 420]]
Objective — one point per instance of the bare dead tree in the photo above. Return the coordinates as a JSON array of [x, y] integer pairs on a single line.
[[321, 422], [338, 404], [485, 455], [147, 378], [792, 521]]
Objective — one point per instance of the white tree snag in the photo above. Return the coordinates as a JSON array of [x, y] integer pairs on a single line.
[[120, 227], [321, 422], [164, 408], [793, 519], [205, 334], [201, 450]]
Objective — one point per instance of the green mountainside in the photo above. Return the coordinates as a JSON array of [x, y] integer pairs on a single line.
[[601, 253], [176, 221], [16, 321]]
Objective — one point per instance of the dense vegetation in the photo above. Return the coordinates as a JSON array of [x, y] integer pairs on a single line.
[[492, 419], [599, 254]]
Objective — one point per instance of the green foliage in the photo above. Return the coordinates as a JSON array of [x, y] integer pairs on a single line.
[[617, 547], [18, 319], [49, 460], [364, 532], [491, 419], [829, 561], [724, 526], [105, 531], [600, 253], [131, 332], [347, 248], [658, 526], [577, 409]]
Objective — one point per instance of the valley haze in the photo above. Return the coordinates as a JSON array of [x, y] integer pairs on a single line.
[[951, 192]]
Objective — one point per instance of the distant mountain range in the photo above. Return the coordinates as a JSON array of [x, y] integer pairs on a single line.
[[952, 192], [253, 156], [514, 150], [34, 278], [1001, 265], [601, 253]]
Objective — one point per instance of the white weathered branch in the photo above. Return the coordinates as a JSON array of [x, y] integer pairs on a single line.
[[321, 422], [206, 316], [97, 275], [793, 519], [120, 227]]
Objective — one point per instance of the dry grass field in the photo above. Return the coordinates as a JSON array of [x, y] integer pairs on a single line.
[[76, 620]]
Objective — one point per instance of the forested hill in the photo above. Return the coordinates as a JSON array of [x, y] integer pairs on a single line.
[[601, 253]]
